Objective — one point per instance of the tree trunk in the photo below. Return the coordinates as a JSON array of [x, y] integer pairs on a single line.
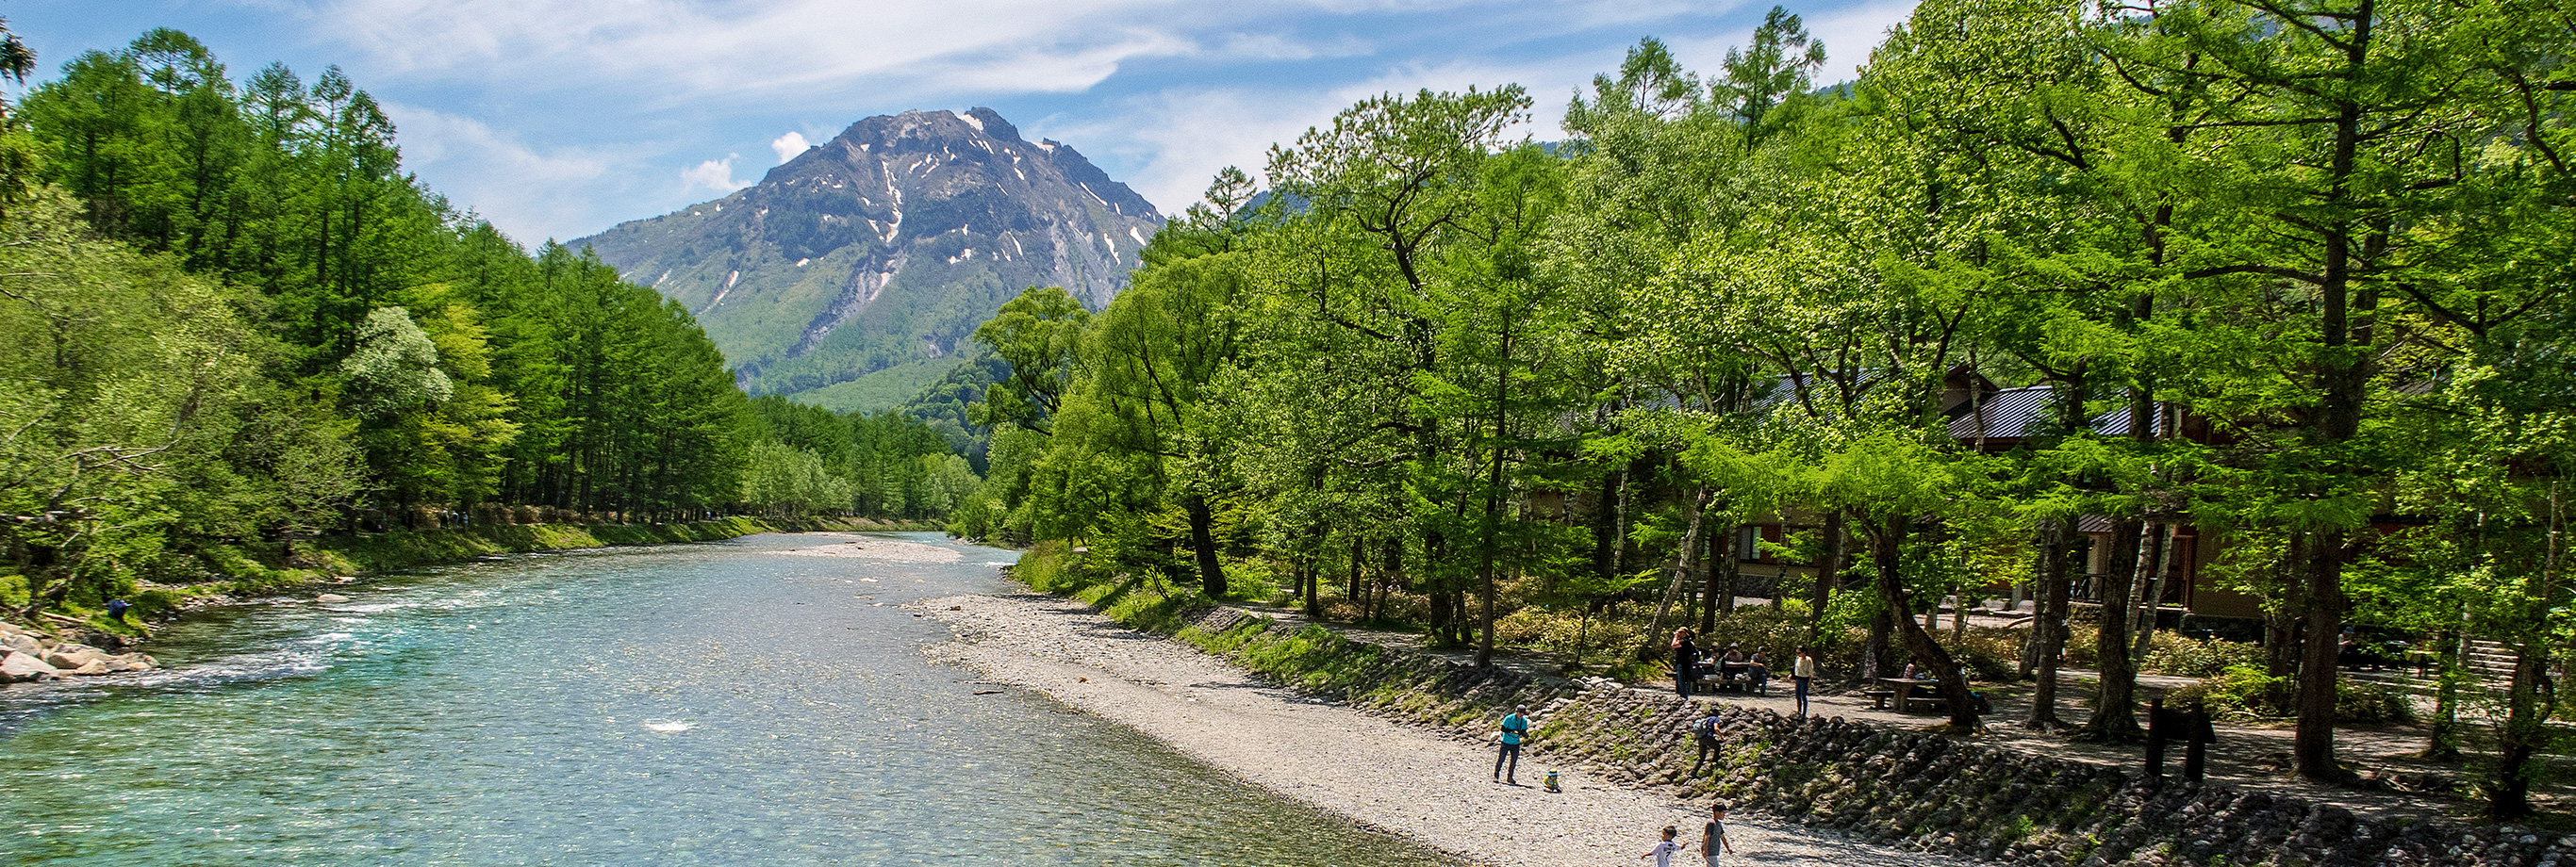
[[1203, 544], [1830, 571], [2526, 727], [1725, 578], [2152, 609], [1681, 573], [2442, 740], [1352, 590], [1873, 651], [2524, 732], [2312, 742], [2115, 705], [1888, 540], [1607, 528], [2048, 628]]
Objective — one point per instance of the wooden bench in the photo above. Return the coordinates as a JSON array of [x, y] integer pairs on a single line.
[[1918, 703], [1878, 697]]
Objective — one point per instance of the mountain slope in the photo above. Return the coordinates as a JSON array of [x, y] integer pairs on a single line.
[[885, 246]]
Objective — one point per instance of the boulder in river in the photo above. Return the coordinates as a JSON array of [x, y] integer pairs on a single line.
[[71, 656], [23, 643], [330, 597], [18, 667]]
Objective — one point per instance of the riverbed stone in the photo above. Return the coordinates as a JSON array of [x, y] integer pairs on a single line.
[[69, 656], [330, 597], [23, 643], [19, 668]]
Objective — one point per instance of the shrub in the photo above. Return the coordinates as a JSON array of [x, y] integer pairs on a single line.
[[2359, 701], [2239, 692], [2169, 653], [1989, 654]]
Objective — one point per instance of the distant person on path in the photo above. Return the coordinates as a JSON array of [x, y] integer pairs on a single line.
[[1803, 673], [1664, 849], [1514, 726], [116, 609], [1705, 733], [1685, 662], [1713, 837]]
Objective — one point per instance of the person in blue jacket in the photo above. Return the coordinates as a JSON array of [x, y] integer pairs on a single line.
[[1514, 727]]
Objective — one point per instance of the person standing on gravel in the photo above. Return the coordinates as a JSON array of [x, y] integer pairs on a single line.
[[1713, 837], [1803, 672], [1514, 726], [1664, 848]]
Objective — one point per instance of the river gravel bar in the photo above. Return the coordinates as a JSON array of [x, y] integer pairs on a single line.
[[1383, 774], [874, 548]]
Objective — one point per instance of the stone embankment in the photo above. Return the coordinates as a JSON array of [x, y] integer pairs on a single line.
[[33, 656], [1906, 789]]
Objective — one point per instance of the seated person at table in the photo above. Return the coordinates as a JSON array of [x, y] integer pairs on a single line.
[[1916, 670], [1760, 671]]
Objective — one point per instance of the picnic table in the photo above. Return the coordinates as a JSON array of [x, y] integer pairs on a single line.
[[1726, 675], [1901, 691]]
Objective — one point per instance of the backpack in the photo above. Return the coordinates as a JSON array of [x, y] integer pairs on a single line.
[[1706, 727]]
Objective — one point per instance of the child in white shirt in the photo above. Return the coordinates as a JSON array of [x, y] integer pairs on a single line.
[[1664, 848]]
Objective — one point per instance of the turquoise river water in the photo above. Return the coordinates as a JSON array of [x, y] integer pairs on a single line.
[[736, 703]]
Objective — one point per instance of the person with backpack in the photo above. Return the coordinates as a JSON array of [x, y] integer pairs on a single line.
[[1705, 732], [1514, 726]]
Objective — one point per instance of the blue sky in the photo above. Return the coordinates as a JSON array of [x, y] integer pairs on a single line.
[[559, 118]]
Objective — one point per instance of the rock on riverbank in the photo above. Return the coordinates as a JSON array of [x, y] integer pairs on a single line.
[[34, 656]]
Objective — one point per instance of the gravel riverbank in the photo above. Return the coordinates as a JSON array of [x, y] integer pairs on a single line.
[[1383, 774]]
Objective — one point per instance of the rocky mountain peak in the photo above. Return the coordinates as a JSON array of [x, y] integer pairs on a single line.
[[886, 245]]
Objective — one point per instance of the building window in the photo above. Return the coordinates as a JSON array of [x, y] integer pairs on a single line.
[[1748, 543]]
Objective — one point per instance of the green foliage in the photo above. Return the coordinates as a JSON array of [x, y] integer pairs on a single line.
[[230, 321], [2172, 654]]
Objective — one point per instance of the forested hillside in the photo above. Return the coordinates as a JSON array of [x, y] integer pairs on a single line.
[[230, 321], [2296, 277]]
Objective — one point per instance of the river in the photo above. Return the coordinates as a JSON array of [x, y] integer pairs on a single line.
[[762, 701]]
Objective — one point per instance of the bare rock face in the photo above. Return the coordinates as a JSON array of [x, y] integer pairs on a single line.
[[20, 668]]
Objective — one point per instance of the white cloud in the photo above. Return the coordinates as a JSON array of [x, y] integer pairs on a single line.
[[516, 186], [739, 50], [715, 175], [1849, 32], [1172, 142], [789, 145]]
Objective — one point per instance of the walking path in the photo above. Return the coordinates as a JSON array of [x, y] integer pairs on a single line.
[[1385, 775], [2247, 755]]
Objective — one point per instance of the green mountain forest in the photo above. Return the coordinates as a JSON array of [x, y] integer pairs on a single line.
[[2295, 276], [230, 322]]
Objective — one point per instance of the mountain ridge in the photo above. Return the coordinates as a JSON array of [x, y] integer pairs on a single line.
[[886, 245]]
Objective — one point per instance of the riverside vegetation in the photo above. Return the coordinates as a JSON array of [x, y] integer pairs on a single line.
[[1916, 790], [238, 343], [1424, 372]]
